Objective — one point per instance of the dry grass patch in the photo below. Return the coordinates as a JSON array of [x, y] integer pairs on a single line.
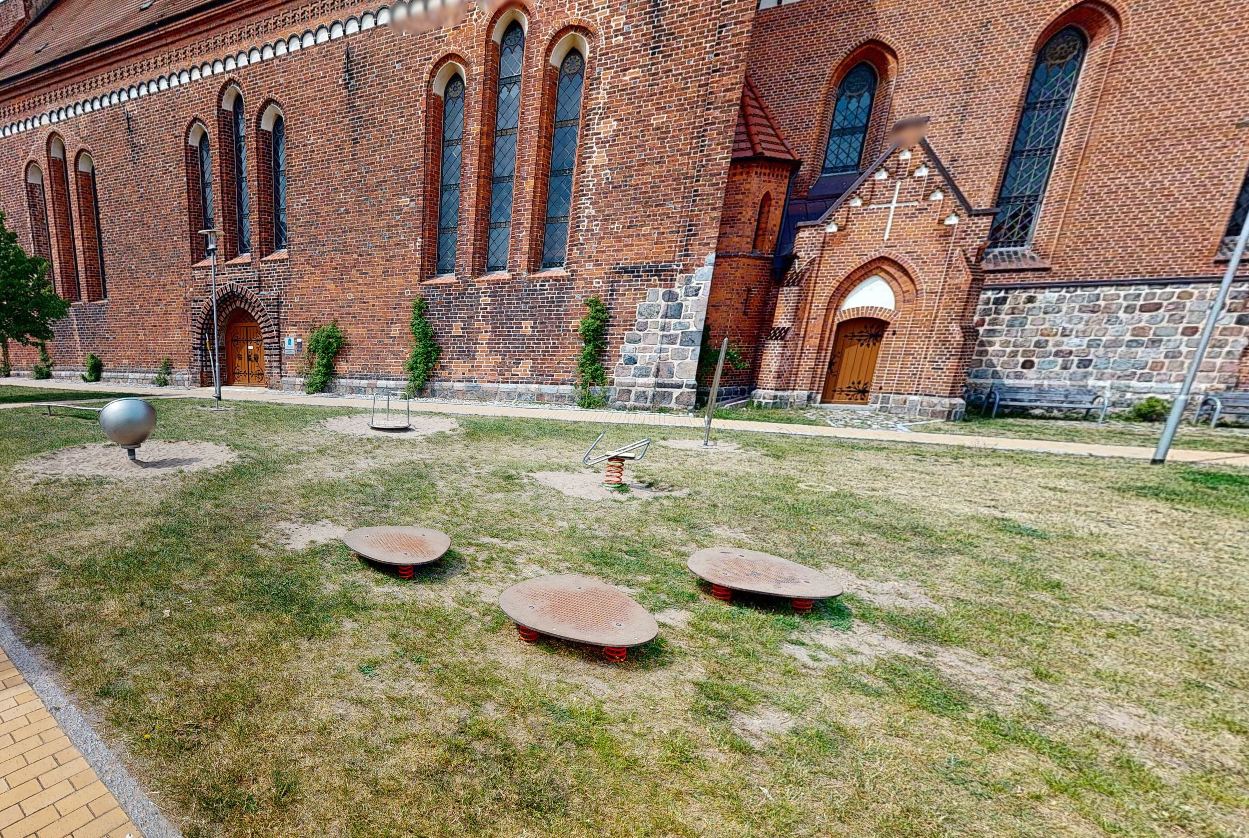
[[1028, 644]]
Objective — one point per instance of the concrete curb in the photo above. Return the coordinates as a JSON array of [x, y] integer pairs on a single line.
[[142, 812]]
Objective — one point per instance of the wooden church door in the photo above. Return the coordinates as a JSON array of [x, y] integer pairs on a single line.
[[245, 351], [853, 364]]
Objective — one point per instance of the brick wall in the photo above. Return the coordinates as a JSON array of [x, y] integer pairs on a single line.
[[647, 195]]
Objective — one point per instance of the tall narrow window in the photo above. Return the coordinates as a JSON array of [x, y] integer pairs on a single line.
[[63, 220], [506, 118], [1234, 224], [762, 222], [89, 229], [852, 113], [199, 190], [37, 206], [1037, 137], [279, 183], [563, 159], [242, 212], [449, 182]]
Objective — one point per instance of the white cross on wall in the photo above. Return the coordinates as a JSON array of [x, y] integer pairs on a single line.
[[892, 206]]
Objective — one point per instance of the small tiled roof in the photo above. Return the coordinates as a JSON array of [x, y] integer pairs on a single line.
[[71, 26], [757, 136]]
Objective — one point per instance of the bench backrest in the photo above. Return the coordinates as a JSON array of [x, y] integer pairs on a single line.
[[1234, 399], [1080, 395]]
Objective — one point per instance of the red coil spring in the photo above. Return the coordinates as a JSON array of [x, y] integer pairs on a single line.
[[615, 472], [803, 606], [722, 593], [407, 571], [526, 634], [615, 653]]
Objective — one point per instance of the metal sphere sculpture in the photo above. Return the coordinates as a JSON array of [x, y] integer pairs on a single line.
[[128, 422]]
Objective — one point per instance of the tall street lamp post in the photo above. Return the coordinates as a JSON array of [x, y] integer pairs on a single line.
[[211, 249]]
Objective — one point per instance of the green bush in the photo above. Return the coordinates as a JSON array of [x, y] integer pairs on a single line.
[[425, 349], [709, 354], [593, 331], [43, 369], [1149, 409], [95, 368], [324, 344], [163, 372]]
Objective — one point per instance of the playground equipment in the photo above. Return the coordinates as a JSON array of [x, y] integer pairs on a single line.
[[580, 609], [616, 459], [386, 423], [731, 569], [128, 422], [400, 547]]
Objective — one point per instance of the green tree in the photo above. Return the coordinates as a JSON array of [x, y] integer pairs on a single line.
[[28, 302], [425, 349]]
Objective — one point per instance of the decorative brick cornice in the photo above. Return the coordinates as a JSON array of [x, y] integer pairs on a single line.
[[383, 15]]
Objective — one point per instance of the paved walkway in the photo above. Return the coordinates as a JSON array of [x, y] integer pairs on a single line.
[[47, 788], [675, 420]]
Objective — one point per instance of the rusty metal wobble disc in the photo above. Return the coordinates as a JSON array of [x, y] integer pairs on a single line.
[[578, 608], [400, 546], [761, 573]]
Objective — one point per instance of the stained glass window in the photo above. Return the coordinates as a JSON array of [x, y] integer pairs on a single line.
[[242, 214], [279, 183], [449, 190], [1239, 212], [563, 159], [851, 115], [1040, 130], [205, 182], [506, 119]]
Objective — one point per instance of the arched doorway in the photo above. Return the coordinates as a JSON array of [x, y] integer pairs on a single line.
[[853, 362], [244, 351]]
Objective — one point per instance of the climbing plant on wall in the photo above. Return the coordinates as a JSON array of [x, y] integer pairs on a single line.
[[590, 370]]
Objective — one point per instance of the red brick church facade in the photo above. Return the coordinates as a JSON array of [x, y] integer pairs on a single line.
[[875, 202]]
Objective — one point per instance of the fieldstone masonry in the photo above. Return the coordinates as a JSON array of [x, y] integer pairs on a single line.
[[1131, 340], [658, 364]]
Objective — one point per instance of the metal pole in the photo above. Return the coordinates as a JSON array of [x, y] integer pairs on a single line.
[[711, 396], [1207, 332], [211, 248]]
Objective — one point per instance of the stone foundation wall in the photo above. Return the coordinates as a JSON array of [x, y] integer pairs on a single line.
[[1129, 340]]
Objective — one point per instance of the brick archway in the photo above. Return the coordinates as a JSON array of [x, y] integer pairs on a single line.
[[232, 298]]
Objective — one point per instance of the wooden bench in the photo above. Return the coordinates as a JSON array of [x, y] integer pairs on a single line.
[[1228, 403], [1038, 398]]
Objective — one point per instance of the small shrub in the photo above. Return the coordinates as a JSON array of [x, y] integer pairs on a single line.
[[425, 349], [43, 369], [324, 344], [590, 371], [163, 372], [1149, 409], [709, 354], [95, 368]]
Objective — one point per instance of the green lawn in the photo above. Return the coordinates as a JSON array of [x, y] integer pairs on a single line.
[[13, 394], [1085, 671], [1111, 432]]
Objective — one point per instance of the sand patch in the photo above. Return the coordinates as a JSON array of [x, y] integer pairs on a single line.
[[156, 458], [299, 536], [905, 595], [588, 485], [422, 425], [697, 445], [673, 617], [757, 729]]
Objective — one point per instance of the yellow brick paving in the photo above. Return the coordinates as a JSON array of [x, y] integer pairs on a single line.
[[47, 789]]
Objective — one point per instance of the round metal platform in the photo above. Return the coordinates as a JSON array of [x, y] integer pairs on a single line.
[[402, 547], [736, 569], [578, 608]]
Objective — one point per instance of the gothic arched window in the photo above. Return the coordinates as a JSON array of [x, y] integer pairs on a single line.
[[89, 235], [506, 119], [37, 206], [63, 219], [563, 159], [278, 158], [762, 222], [449, 182], [199, 190], [1234, 224], [851, 115], [1037, 137], [242, 212]]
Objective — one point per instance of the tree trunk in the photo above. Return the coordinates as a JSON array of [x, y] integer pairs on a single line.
[[5, 369]]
